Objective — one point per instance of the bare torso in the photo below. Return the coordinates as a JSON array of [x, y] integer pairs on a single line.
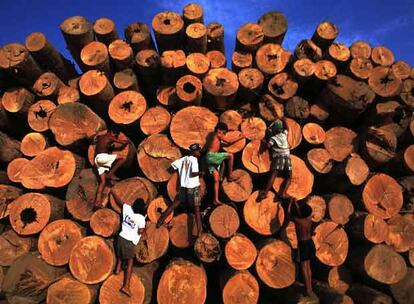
[[103, 144], [214, 145]]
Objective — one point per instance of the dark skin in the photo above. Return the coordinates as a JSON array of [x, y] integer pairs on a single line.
[[104, 143], [177, 202], [128, 273]]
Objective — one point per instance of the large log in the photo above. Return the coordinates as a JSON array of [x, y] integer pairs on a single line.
[[166, 96], [360, 49], [318, 205], [313, 133], [173, 66], [251, 84], [253, 128], [18, 100], [198, 64], [10, 148], [220, 88], [362, 294], [274, 26], [232, 119], [148, 67], [407, 94], [207, 248], [378, 146], [240, 188], [282, 87], [401, 69], [154, 246], [382, 56], [105, 31], [308, 49], [241, 287], [127, 107], [340, 142], [169, 31], [156, 207], [400, 232], [296, 107], [121, 55], [138, 35], [146, 274], [384, 82], [340, 208], [366, 226], [339, 54], [339, 278], [48, 85], [183, 230], [173, 187], [155, 120], [15, 168], [269, 109], [271, 59], [325, 33], [70, 291], [240, 252], [237, 145], [241, 61], [253, 160], [39, 115], [110, 290], [13, 246], [249, 37], [105, 222], [224, 221], [360, 68], [217, 59], [68, 95], [402, 291]]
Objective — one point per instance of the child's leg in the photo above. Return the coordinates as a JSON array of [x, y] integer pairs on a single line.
[[230, 161], [127, 278], [216, 177], [118, 265], [269, 185], [99, 191], [286, 183], [198, 220], [307, 276], [115, 166], [167, 212]]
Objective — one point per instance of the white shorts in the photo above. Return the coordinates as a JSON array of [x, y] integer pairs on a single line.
[[104, 161]]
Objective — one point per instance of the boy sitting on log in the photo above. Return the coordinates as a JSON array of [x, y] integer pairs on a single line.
[[280, 155], [132, 228], [214, 158], [189, 192], [105, 161]]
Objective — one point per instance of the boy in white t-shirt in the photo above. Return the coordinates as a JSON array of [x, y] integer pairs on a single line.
[[189, 192], [132, 228]]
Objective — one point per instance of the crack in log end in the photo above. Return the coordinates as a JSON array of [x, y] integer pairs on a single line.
[[278, 89], [40, 113], [271, 57], [189, 88], [126, 106], [385, 80], [220, 82], [30, 284], [28, 216]]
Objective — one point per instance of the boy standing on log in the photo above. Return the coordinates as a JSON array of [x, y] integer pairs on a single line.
[[189, 192], [107, 162], [214, 158], [280, 155], [133, 227]]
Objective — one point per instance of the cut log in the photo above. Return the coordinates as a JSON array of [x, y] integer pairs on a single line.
[[401, 69], [360, 49], [269, 109], [326, 294], [155, 120], [382, 196], [126, 80], [215, 37], [217, 59], [105, 222], [91, 260], [138, 35], [366, 226], [296, 107], [237, 146], [240, 252], [253, 160], [324, 70], [57, 240], [339, 54], [74, 123], [155, 155], [13, 246], [319, 160], [7, 195], [318, 205], [240, 188], [156, 207], [127, 107], [308, 49], [249, 38], [169, 31], [68, 95], [301, 183], [360, 68], [207, 248], [196, 38], [340, 208], [251, 84], [390, 115], [110, 290], [319, 112], [189, 90], [10, 148], [224, 221], [282, 86], [356, 170], [340, 279], [185, 276], [382, 56], [183, 230], [384, 82], [121, 55], [402, 291], [232, 119], [15, 168], [253, 128], [33, 144], [70, 291], [105, 31], [272, 59], [406, 94], [167, 97], [241, 287], [313, 134], [303, 70], [275, 266], [325, 34], [18, 100], [154, 246], [198, 64], [31, 212], [172, 66], [146, 274], [263, 222], [47, 85], [241, 61], [148, 65], [340, 142], [39, 114], [331, 243], [378, 146], [400, 232], [274, 26], [193, 13], [294, 133], [173, 187], [192, 125], [362, 294]]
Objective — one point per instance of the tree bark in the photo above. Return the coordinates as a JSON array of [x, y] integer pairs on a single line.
[[249, 38], [13, 246], [274, 26], [10, 148], [138, 35], [325, 34], [196, 38], [105, 31], [121, 54], [215, 37]]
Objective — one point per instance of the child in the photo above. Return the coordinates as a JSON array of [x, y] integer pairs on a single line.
[[280, 155], [189, 192], [106, 162], [133, 227], [214, 158]]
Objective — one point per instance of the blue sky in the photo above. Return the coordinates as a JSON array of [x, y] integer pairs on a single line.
[[380, 22]]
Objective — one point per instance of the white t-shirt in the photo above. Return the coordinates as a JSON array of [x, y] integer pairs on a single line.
[[185, 166], [279, 143], [131, 222]]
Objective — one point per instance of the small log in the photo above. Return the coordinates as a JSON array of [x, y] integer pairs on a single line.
[[340, 208], [193, 13], [192, 125], [313, 134], [45, 53], [331, 243], [154, 246], [146, 274], [382, 56], [185, 276], [217, 59], [126, 80], [18, 62], [155, 120], [232, 119], [7, 195], [77, 32], [166, 96], [68, 95], [400, 231], [274, 26], [57, 240], [325, 34], [360, 49], [340, 279], [240, 188], [183, 230], [196, 38], [406, 94], [296, 107], [391, 116], [15, 168], [220, 88], [339, 54], [105, 222], [237, 146], [224, 221], [382, 196], [215, 37], [241, 287], [127, 107], [303, 70], [401, 69], [94, 252], [121, 55], [320, 160], [148, 66], [110, 290], [308, 49], [253, 128], [74, 82], [360, 68], [269, 109], [172, 66], [189, 90], [155, 155], [198, 64], [254, 161], [282, 86], [324, 70], [33, 144], [13, 246], [47, 85], [251, 84], [39, 115], [156, 207], [340, 142], [105, 31], [10, 148], [378, 146], [318, 205], [173, 187], [31, 212], [319, 112], [241, 61], [138, 35], [356, 170], [240, 252], [207, 248], [274, 264], [301, 183], [263, 223], [70, 291], [249, 38], [271, 59], [384, 82], [402, 291], [169, 31], [18, 100]]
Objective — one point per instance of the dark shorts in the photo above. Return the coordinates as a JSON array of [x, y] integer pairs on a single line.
[[125, 250], [191, 196], [306, 250], [281, 163]]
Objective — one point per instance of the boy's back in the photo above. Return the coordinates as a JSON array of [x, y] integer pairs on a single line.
[[186, 166], [131, 222]]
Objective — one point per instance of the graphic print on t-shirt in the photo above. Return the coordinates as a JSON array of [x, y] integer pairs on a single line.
[[129, 221]]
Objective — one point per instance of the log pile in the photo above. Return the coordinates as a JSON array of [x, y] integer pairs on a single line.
[[349, 116]]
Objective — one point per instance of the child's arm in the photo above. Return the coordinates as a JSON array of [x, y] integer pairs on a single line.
[[117, 199], [230, 142]]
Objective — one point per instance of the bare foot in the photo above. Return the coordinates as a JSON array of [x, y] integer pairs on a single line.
[[231, 179], [98, 205], [117, 271], [125, 291], [217, 202]]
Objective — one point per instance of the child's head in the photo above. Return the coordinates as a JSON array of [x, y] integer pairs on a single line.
[[139, 206], [276, 127], [221, 129], [195, 150]]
